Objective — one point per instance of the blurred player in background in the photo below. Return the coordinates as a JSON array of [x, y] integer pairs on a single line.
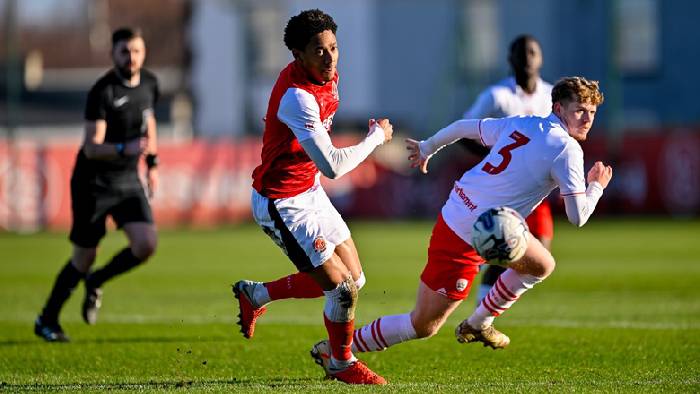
[[529, 157], [120, 129], [291, 206], [525, 93]]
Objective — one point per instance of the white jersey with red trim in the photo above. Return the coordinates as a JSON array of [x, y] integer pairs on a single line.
[[507, 98], [530, 156]]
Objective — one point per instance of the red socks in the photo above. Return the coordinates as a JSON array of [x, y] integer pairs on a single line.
[[299, 285], [340, 338]]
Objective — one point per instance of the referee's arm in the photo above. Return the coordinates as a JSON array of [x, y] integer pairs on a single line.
[[94, 146]]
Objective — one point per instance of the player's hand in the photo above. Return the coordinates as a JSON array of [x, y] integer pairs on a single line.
[[415, 157], [136, 146], [152, 182], [385, 125], [600, 173]]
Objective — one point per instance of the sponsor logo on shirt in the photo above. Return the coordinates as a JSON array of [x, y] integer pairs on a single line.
[[309, 126], [465, 199]]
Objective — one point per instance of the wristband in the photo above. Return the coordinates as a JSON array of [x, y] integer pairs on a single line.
[[151, 161], [120, 149]]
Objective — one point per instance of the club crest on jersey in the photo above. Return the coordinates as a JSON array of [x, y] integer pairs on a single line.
[[461, 284], [319, 244], [328, 122]]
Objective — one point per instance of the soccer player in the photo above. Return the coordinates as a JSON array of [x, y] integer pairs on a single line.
[[529, 157], [290, 204], [525, 93], [120, 129]]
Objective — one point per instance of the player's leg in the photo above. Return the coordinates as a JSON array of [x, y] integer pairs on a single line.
[[541, 226], [254, 296], [339, 317], [488, 279], [521, 275], [424, 321], [46, 325], [300, 285], [133, 215], [87, 229], [445, 282]]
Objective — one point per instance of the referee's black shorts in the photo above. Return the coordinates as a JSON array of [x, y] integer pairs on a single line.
[[91, 205]]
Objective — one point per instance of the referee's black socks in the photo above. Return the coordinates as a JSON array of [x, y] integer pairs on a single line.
[[120, 263], [66, 281]]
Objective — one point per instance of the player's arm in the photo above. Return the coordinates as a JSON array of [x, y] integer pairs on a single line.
[[151, 151], [94, 145], [579, 202], [485, 131], [483, 107], [300, 112]]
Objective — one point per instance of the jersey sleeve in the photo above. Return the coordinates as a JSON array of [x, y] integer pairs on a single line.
[[300, 112], [483, 107], [567, 170], [95, 107], [490, 129]]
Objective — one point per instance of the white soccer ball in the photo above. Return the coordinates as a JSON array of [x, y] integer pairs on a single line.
[[500, 235]]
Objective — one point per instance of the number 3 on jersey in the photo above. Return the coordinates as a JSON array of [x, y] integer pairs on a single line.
[[520, 140]]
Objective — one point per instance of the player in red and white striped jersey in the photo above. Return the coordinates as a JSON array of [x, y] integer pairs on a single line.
[[289, 202], [529, 157]]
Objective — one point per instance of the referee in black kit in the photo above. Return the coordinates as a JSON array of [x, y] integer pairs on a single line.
[[120, 128]]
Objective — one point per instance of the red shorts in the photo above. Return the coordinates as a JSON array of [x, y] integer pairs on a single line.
[[452, 263], [540, 221]]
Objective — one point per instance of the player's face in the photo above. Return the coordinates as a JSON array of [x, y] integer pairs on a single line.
[[577, 117], [527, 58], [128, 56], [320, 57]]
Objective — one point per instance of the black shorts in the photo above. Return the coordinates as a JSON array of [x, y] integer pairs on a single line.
[[91, 205]]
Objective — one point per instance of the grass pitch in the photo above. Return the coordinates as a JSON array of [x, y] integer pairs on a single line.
[[621, 313]]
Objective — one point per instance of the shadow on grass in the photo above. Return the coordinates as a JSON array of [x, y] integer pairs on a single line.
[[271, 382], [37, 341]]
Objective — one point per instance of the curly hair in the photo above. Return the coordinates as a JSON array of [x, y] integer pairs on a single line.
[[577, 89], [307, 24]]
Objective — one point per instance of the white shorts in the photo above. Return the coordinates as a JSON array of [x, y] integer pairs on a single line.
[[307, 226]]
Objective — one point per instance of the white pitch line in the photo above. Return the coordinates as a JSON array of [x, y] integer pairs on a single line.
[[312, 320]]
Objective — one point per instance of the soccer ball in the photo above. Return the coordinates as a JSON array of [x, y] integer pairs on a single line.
[[500, 235]]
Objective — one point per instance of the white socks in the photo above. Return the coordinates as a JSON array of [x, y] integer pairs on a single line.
[[509, 286], [383, 332]]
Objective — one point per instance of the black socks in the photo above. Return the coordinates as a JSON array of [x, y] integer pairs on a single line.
[[120, 263], [66, 281]]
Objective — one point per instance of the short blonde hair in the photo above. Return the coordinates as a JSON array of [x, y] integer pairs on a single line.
[[577, 89]]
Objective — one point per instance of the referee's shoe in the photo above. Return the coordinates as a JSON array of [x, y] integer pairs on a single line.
[[91, 304], [49, 331]]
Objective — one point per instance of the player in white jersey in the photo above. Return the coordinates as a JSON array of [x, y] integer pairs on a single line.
[[525, 93], [529, 157]]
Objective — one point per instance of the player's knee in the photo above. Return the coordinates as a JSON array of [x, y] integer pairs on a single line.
[[341, 301], [82, 260], [360, 282], [144, 248]]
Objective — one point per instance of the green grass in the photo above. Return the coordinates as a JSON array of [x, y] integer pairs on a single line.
[[621, 313]]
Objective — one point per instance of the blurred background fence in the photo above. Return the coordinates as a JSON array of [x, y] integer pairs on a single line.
[[420, 63]]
